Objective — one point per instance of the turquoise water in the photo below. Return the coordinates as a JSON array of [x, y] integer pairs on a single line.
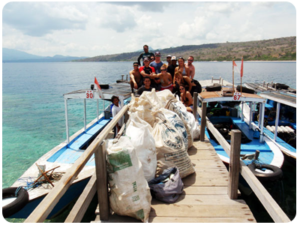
[[33, 105]]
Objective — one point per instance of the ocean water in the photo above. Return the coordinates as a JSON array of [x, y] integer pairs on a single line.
[[33, 105]]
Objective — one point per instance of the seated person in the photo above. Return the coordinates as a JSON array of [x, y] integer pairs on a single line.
[[165, 79], [186, 98], [178, 80], [146, 87], [147, 70], [156, 84], [136, 79]]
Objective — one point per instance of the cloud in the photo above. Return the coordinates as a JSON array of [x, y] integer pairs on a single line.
[[116, 18], [145, 6], [39, 19]]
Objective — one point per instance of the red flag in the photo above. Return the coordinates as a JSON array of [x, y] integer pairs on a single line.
[[235, 67], [242, 67], [98, 89]]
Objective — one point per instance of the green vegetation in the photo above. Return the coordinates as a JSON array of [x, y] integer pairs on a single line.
[[265, 50]]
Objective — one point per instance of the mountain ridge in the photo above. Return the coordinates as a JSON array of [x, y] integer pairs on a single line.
[[271, 49]]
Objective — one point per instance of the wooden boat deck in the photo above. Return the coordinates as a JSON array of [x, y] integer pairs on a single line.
[[204, 199]]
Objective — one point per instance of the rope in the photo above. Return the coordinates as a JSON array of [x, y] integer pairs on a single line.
[[17, 191]]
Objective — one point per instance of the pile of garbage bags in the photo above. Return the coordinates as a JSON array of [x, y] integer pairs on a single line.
[[154, 147]]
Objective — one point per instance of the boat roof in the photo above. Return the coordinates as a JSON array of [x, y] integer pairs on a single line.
[[217, 96], [261, 87], [283, 98], [115, 89]]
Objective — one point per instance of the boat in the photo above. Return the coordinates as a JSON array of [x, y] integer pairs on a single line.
[[280, 122], [223, 112], [63, 156]]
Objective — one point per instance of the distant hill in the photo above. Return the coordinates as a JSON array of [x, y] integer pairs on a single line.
[[12, 55], [273, 49]]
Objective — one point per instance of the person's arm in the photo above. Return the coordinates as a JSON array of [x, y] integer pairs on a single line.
[[188, 80], [133, 79], [187, 69], [181, 98], [169, 78], [139, 58], [174, 79], [192, 72], [142, 72], [190, 98]]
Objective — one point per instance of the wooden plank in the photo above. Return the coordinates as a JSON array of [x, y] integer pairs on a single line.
[[209, 163], [212, 181], [45, 207], [238, 211], [234, 165], [195, 104], [210, 200], [102, 183], [83, 202], [200, 220], [203, 121], [193, 190]]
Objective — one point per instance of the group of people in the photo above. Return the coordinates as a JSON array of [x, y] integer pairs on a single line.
[[178, 78]]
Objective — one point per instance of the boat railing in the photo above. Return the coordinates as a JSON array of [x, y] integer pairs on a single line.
[[233, 150], [42, 211]]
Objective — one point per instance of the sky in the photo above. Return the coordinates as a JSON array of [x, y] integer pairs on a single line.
[[99, 28]]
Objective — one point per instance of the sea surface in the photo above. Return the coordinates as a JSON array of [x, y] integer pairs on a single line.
[[33, 117]]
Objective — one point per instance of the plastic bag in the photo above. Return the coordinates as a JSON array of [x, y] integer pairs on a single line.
[[139, 132], [168, 186], [130, 193], [192, 126]]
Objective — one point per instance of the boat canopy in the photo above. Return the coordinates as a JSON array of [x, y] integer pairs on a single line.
[[122, 90], [236, 96], [117, 89], [283, 98]]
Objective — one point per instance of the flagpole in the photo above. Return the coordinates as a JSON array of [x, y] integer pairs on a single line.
[[232, 77], [242, 68]]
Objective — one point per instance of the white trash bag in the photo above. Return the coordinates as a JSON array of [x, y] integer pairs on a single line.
[[145, 105], [170, 148], [130, 193], [188, 118], [174, 119], [141, 137]]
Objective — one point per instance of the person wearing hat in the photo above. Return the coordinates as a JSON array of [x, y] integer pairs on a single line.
[[147, 70], [136, 79], [169, 60], [171, 68], [157, 64], [145, 54]]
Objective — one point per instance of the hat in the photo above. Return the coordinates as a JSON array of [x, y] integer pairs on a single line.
[[169, 56], [146, 59], [157, 53], [173, 57]]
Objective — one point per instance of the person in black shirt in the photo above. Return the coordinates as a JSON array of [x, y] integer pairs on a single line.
[[146, 53], [171, 68], [146, 87]]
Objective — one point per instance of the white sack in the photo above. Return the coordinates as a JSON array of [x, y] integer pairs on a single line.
[[141, 137], [130, 193], [170, 148]]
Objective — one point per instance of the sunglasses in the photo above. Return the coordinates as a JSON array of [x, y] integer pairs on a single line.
[[181, 89], [163, 70], [190, 60]]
